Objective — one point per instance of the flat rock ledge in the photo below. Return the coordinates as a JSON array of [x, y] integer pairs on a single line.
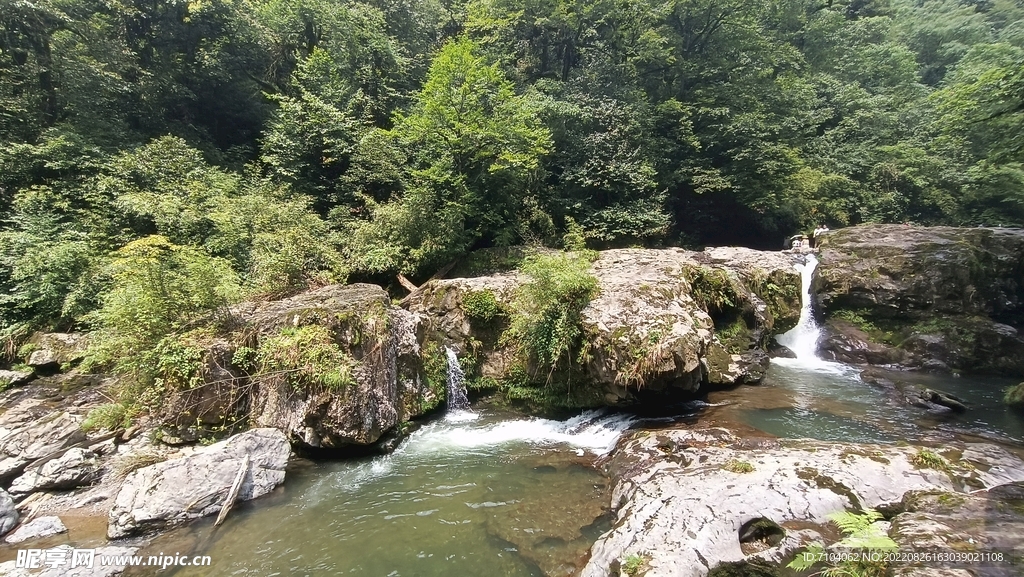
[[160, 496], [683, 497]]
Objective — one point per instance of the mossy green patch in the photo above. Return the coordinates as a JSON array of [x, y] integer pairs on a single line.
[[481, 306], [307, 356]]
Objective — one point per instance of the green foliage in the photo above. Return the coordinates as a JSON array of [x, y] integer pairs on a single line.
[[711, 288], [110, 416], [735, 466], [634, 565], [860, 531], [306, 357], [474, 145], [1015, 396], [481, 306], [435, 367], [547, 310], [925, 459]]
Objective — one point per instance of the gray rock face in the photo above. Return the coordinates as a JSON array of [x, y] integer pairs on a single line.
[[684, 496], [37, 529], [14, 378], [161, 495], [985, 521], [376, 338], [650, 325], [30, 430], [75, 468], [8, 513], [952, 297], [56, 349]]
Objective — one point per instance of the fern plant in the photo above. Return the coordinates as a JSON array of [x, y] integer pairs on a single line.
[[860, 532]]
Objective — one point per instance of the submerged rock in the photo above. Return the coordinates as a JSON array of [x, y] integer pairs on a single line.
[[159, 496], [685, 510], [10, 568]]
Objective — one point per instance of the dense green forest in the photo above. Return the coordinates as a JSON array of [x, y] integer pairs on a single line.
[[160, 158]]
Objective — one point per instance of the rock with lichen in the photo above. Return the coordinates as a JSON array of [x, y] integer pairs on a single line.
[[938, 298]]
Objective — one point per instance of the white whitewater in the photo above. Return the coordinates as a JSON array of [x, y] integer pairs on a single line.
[[467, 435], [593, 431], [803, 338], [456, 390]]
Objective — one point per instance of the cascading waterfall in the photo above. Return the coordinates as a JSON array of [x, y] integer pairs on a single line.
[[456, 392], [803, 338]]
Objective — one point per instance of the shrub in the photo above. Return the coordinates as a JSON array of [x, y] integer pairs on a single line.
[[634, 565], [306, 356], [925, 459], [111, 416], [1015, 396], [481, 306], [546, 322]]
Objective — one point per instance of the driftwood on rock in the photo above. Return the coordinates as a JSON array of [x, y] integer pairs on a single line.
[[405, 282], [415, 290], [233, 493]]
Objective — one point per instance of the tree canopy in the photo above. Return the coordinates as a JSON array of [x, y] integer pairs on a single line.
[[279, 144]]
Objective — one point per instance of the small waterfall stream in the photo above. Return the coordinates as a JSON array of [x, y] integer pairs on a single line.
[[456, 391], [803, 338]]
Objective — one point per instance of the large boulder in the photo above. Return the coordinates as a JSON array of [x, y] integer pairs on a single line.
[[369, 382], [8, 513], [14, 378], [945, 298], [31, 429], [159, 496], [662, 320], [986, 523], [75, 468], [689, 500], [56, 349]]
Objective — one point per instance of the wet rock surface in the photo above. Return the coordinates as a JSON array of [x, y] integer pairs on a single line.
[[10, 568], [164, 494], [683, 496]]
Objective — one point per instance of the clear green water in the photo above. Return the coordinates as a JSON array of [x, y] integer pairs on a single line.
[[829, 402], [491, 495]]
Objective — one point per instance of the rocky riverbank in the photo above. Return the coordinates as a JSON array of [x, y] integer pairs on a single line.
[[344, 368], [688, 501]]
